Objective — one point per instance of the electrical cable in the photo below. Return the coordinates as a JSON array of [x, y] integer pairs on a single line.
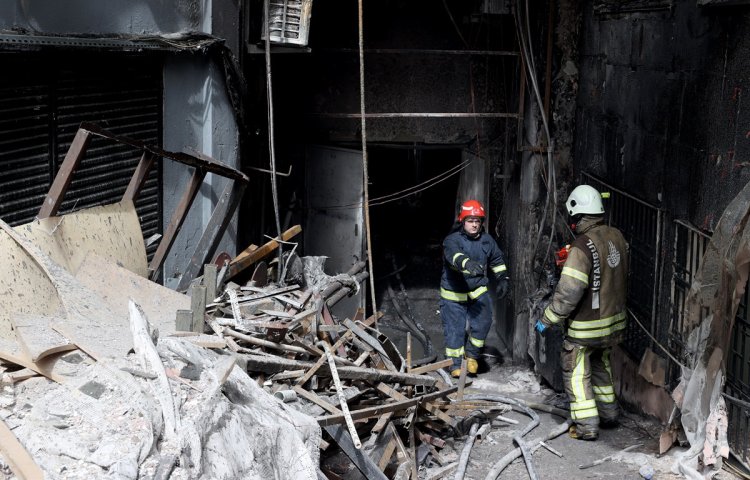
[[551, 183], [382, 200], [271, 147], [366, 178], [455, 25]]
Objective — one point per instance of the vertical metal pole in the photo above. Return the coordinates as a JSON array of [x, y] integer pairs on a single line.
[[271, 147], [366, 178]]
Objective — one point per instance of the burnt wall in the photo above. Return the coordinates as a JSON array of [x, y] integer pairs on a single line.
[[660, 105], [401, 73]]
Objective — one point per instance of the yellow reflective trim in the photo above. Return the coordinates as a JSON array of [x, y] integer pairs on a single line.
[[610, 398], [463, 264], [476, 342], [499, 268], [454, 352], [576, 379], [602, 332], [551, 316], [576, 406], [601, 323], [576, 274], [474, 294], [581, 414], [607, 389], [455, 256], [453, 296]]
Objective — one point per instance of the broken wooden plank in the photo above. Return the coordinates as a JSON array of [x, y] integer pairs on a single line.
[[385, 459], [140, 175], [378, 410], [206, 246], [247, 258], [17, 457], [64, 176], [175, 223], [316, 399], [276, 364], [381, 423], [432, 367], [430, 407]]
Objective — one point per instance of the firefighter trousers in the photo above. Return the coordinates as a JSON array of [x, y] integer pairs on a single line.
[[587, 375], [455, 315]]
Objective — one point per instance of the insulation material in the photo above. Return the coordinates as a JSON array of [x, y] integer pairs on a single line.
[[86, 320], [718, 287], [115, 285]]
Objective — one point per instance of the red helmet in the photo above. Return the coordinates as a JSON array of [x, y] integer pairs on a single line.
[[471, 208]]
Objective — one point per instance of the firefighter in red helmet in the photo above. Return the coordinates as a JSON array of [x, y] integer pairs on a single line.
[[470, 255]]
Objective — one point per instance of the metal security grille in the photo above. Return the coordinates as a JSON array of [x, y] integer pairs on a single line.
[[689, 246], [737, 386], [44, 98], [641, 225]]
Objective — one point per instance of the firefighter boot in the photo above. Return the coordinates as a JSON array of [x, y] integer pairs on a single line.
[[581, 432], [472, 366]]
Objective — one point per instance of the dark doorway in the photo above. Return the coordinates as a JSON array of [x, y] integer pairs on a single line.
[[412, 197]]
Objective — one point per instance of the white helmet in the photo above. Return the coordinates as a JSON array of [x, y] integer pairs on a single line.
[[585, 199]]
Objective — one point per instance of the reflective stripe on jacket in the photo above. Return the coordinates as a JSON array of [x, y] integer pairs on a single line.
[[457, 284], [591, 294]]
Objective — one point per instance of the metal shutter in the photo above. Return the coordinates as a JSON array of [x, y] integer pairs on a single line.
[[25, 164], [42, 103]]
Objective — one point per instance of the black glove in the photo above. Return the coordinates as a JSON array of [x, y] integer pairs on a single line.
[[473, 268], [502, 288]]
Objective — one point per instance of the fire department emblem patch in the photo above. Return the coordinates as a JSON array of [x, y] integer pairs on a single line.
[[613, 257]]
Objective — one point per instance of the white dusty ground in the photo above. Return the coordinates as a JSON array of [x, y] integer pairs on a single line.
[[517, 382]]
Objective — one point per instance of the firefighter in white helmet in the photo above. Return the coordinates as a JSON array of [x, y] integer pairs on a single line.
[[589, 303]]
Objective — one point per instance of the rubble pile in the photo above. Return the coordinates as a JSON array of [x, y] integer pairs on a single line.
[[381, 415], [112, 375]]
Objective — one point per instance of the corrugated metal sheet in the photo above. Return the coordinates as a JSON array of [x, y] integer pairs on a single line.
[[44, 98]]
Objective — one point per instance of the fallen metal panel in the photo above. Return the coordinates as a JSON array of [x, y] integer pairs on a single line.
[[110, 231]]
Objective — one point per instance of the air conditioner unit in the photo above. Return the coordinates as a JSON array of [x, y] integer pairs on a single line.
[[289, 21]]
